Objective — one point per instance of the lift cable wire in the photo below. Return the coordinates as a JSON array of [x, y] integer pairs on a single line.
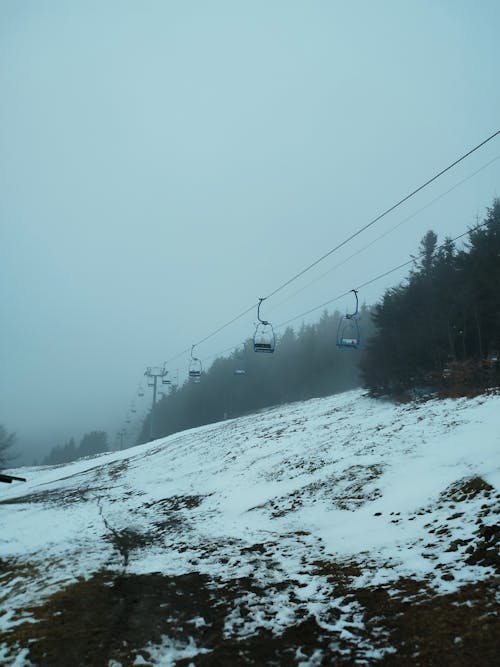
[[381, 275], [245, 312], [343, 243], [384, 213], [210, 335], [389, 231], [359, 287]]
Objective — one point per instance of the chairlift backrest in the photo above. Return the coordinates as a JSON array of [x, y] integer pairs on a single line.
[[348, 334], [195, 368], [264, 339], [195, 375]]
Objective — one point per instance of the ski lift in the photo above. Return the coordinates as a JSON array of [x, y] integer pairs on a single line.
[[264, 339], [165, 380], [140, 392], [195, 368], [348, 333]]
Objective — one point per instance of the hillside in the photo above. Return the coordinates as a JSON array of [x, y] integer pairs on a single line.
[[343, 530]]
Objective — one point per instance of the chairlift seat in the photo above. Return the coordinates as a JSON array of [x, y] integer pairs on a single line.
[[195, 367], [349, 342], [194, 375], [264, 339], [263, 347], [348, 333]]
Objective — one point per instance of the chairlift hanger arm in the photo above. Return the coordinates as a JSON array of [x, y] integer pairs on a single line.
[[265, 322], [349, 316]]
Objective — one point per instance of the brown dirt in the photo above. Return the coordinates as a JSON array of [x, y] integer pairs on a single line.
[[114, 617]]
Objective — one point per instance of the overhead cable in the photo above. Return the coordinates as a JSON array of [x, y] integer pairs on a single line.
[[343, 243], [389, 231], [383, 214], [378, 277]]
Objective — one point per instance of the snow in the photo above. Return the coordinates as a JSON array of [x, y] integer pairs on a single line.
[[343, 479]]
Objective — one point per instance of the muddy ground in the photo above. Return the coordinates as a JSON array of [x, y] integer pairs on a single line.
[[112, 619]]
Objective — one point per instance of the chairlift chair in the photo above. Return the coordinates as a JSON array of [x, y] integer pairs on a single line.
[[348, 332], [195, 368], [264, 339]]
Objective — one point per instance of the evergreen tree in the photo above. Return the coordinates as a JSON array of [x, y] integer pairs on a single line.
[[7, 441], [442, 325], [305, 364], [93, 443]]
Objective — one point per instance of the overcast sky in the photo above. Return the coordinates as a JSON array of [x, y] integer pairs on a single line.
[[163, 164]]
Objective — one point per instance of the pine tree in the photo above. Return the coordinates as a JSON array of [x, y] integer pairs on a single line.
[[7, 441]]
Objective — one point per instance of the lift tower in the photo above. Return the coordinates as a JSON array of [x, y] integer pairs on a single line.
[[152, 374]]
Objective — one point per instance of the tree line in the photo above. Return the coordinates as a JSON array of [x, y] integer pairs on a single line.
[[7, 441], [305, 364], [438, 329], [91, 444], [441, 327]]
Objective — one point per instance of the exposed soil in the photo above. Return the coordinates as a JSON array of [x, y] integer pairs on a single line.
[[115, 617]]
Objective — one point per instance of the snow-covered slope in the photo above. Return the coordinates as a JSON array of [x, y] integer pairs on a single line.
[[274, 532]]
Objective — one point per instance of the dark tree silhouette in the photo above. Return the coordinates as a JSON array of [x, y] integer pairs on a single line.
[[7, 441], [441, 327]]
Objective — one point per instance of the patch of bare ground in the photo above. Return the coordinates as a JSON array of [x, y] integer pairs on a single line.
[[13, 575], [485, 550], [112, 617], [348, 491], [466, 489], [460, 629], [57, 496], [176, 503]]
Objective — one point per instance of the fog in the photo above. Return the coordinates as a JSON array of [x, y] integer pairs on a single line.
[[164, 164]]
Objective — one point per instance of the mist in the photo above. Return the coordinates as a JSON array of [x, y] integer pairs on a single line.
[[165, 164]]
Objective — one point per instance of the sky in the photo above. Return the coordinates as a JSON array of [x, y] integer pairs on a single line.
[[165, 164]]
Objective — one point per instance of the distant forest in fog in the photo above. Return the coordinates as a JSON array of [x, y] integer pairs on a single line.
[[304, 365], [438, 331]]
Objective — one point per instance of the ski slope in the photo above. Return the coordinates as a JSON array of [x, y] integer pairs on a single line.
[[293, 510]]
